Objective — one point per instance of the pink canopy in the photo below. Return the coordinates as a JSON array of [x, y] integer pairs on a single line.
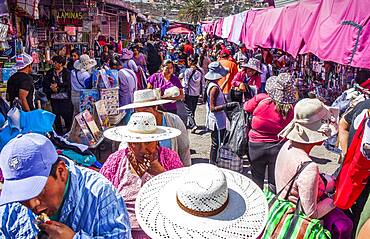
[[179, 30], [340, 31], [335, 30]]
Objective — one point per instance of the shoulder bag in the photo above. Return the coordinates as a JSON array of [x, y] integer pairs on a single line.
[[287, 220]]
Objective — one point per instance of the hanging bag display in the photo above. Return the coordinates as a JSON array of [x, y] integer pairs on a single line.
[[287, 220]]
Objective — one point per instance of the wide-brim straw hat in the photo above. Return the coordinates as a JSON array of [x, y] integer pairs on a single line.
[[282, 89], [146, 98], [216, 71], [85, 62], [226, 204], [313, 122], [142, 127], [253, 64]]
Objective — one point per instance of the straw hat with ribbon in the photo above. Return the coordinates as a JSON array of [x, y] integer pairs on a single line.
[[145, 98], [201, 201], [313, 122], [142, 127]]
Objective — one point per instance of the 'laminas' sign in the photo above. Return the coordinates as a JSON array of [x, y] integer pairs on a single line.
[[65, 18]]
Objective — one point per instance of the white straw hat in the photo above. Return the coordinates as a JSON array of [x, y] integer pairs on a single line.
[[85, 62], [145, 98], [201, 201], [142, 127], [313, 122]]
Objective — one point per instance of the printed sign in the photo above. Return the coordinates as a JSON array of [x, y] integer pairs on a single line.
[[70, 18]]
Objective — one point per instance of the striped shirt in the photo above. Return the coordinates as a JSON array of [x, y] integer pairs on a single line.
[[92, 209]]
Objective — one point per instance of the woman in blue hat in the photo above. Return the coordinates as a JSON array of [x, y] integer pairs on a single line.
[[216, 106]]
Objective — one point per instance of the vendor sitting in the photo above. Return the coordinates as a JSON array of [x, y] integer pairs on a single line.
[[80, 202], [130, 168]]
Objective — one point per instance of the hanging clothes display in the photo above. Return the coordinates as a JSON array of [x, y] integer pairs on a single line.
[[237, 27]]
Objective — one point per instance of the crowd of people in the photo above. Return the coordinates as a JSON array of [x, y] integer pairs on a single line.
[[284, 125]]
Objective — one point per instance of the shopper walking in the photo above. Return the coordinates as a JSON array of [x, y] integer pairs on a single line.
[[225, 82], [271, 112], [80, 79], [165, 80], [193, 87], [20, 84], [216, 106]]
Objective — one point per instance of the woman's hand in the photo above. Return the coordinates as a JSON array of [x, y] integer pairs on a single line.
[[156, 168], [242, 87], [54, 87]]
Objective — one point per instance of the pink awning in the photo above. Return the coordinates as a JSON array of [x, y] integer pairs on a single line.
[[179, 30], [340, 31], [334, 30]]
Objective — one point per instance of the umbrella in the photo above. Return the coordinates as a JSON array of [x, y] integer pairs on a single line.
[[179, 30]]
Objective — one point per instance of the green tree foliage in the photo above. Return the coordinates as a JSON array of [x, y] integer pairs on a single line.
[[193, 11]]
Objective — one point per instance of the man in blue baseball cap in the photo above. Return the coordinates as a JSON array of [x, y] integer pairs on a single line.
[[81, 203]]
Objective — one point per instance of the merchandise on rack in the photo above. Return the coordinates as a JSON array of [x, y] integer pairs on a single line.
[[110, 98], [87, 99], [95, 131], [102, 114]]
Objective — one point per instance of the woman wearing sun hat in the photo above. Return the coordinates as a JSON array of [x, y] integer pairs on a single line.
[[201, 201], [271, 112], [80, 79], [313, 123], [216, 105], [130, 168], [249, 74], [150, 101]]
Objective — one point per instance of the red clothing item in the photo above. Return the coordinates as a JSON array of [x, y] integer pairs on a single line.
[[253, 81], [354, 174], [256, 81], [266, 121], [238, 79], [188, 49]]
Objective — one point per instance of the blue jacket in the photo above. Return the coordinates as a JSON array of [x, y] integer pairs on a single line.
[[92, 208]]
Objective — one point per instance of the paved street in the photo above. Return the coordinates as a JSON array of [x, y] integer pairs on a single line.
[[200, 146]]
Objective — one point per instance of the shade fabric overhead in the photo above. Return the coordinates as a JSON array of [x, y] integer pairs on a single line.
[[334, 30]]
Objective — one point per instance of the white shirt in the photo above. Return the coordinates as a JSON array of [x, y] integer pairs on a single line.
[[193, 86]]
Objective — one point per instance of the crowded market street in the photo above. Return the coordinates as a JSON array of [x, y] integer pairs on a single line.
[[186, 119], [200, 144]]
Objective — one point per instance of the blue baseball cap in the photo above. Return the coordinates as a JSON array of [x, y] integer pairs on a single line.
[[26, 162]]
